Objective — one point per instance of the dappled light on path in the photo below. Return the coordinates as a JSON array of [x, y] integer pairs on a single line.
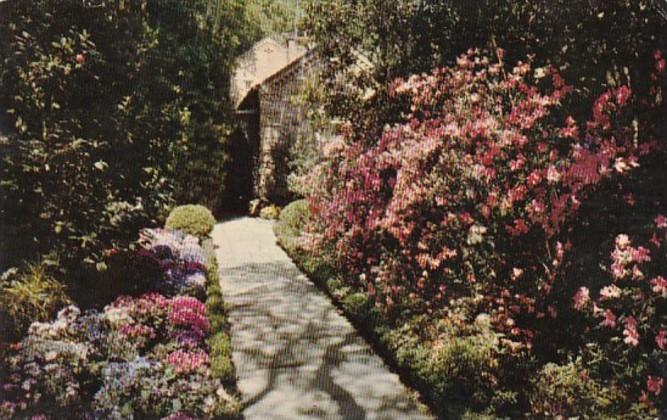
[[296, 356]]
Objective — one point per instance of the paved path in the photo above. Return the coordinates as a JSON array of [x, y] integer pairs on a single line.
[[296, 357]]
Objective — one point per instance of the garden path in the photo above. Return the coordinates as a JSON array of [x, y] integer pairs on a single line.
[[296, 356]]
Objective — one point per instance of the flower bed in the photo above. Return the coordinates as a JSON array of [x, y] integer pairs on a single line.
[[149, 356]]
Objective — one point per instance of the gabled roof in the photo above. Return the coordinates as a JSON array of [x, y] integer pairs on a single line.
[[263, 60]]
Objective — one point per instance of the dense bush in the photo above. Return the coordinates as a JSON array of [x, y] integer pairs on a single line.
[[293, 217], [445, 197], [192, 219], [119, 109], [598, 44], [475, 195], [566, 390], [28, 296]]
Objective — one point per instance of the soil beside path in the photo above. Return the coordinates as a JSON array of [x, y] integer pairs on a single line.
[[296, 356]]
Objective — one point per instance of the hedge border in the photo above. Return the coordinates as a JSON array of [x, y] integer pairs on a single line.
[[219, 342]]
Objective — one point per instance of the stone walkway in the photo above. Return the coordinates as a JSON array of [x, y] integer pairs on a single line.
[[296, 357]]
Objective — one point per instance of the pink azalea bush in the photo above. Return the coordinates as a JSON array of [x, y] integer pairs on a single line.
[[473, 197], [629, 313], [473, 192]]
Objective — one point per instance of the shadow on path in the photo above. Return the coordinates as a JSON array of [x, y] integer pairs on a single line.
[[296, 356]]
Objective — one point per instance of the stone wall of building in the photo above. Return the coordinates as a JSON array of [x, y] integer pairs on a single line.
[[283, 119]]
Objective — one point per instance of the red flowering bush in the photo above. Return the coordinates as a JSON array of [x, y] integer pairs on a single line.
[[477, 195], [472, 193], [189, 313]]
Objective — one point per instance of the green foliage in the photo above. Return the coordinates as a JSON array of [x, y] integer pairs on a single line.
[[220, 350], [567, 390], [27, 296], [221, 357], [294, 216], [192, 219], [355, 304], [118, 111], [595, 44], [271, 17]]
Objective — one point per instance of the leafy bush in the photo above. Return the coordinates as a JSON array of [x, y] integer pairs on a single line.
[[293, 217], [441, 205], [191, 219], [121, 108], [355, 304], [598, 44], [567, 390], [475, 194], [28, 296]]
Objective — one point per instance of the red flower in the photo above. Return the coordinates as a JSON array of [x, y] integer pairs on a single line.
[[622, 95], [654, 384]]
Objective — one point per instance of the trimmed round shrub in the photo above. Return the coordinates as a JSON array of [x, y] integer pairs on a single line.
[[295, 215], [192, 219], [291, 223]]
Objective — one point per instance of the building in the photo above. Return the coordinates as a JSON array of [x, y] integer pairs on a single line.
[[263, 88]]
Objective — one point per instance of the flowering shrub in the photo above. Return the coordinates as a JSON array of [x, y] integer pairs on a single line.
[[145, 388], [472, 193], [473, 196], [189, 313], [629, 314]]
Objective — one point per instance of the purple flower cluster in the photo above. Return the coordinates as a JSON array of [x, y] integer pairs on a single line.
[[181, 258]]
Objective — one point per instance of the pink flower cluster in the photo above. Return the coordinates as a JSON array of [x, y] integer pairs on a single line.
[[138, 331], [637, 297], [151, 316], [147, 305], [187, 361], [188, 312]]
